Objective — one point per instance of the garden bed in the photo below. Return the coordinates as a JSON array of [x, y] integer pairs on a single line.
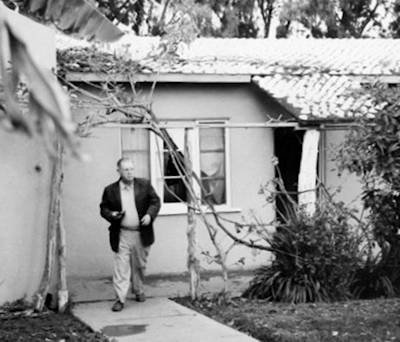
[[18, 322], [352, 321]]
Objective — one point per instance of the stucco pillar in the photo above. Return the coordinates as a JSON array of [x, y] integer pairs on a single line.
[[308, 171]]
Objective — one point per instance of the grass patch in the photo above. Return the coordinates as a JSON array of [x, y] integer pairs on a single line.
[[350, 321]]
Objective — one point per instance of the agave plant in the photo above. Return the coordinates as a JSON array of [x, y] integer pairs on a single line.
[[373, 278], [315, 258]]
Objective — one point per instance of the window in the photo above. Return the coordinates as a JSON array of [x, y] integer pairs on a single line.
[[169, 179], [208, 146], [135, 144], [213, 164]]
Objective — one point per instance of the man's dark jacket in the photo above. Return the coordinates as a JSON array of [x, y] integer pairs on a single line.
[[147, 202]]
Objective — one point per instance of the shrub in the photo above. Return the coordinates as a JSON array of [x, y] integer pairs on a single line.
[[315, 258], [384, 206], [372, 281], [371, 150]]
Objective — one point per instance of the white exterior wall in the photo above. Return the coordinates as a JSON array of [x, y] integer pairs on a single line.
[[23, 213], [349, 184], [25, 186], [89, 254]]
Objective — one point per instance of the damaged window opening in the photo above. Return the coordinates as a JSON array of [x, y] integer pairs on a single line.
[[174, 187]]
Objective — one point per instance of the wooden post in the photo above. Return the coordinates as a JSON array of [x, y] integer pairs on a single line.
[[308, 171], [193, 262], [62, 276], [62, 269]]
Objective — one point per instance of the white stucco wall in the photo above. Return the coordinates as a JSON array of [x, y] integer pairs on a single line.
[[89, 254], [24, 184], [348, 184]]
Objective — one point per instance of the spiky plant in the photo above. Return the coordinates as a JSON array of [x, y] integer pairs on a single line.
[[315, 258]]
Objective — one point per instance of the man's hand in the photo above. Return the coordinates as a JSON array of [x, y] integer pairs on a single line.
[[117, 215], [146, 219]]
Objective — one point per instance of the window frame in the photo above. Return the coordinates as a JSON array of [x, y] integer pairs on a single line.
[[156, 166], [227, 203], [124, 151]]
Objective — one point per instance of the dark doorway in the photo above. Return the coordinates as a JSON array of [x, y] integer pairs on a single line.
[[288, 149]]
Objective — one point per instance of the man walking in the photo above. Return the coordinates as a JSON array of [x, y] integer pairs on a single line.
[[131, 206]]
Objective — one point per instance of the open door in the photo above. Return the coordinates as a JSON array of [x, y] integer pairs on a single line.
[[288, 149]]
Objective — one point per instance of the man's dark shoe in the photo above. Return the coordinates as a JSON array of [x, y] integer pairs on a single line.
[[141, 297], [118, 306]]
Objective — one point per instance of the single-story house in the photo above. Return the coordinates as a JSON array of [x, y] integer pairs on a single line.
[[228, 90]]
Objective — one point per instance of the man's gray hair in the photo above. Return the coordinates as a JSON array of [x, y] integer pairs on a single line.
[[121, 160]]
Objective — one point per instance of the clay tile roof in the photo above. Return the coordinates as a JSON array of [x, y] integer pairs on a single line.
[[319, 96], [261, 56], [294, 56], [315, 78]]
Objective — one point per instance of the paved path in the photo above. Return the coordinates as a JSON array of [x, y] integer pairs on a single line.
[[156, 320]]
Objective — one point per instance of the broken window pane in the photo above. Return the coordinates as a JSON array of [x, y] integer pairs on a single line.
[[174, 187]]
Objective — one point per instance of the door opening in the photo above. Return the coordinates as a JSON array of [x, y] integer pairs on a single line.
[[288, 148]]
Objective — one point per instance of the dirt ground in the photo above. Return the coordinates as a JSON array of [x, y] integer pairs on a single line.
[[19, 323], [352, 321]]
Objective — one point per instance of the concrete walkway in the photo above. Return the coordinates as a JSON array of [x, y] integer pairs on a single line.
[[156, 320]]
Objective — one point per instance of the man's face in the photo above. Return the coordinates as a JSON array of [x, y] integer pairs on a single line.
[[126, 171]]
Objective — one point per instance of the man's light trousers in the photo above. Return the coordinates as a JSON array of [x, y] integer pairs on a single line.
[[129, 264]]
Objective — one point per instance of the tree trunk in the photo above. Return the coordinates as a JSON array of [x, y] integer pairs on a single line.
[[52, 223], [266, 13], [193, 261]]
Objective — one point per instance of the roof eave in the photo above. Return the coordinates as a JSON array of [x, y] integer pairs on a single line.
[[73, 76], [325, 122]]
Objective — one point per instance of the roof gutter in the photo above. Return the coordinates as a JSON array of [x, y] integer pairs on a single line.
[[73, 76]]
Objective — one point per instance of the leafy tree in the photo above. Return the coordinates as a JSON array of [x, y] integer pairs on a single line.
[[372, 151], [267, 9], [128, 12], [236, 17], [156, 16], [394, 26], [333, 19]]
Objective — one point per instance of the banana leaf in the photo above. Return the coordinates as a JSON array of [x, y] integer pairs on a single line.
[[48, 101], [78, 17]]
